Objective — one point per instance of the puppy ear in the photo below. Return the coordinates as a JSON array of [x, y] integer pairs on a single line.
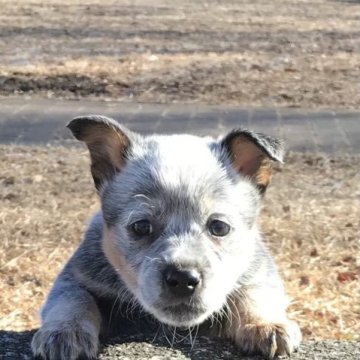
[[108, 143], [252, 154]]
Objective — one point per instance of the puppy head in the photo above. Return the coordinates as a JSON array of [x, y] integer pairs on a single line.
[[179, 212]]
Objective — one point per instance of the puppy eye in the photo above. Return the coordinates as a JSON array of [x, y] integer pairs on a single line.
[[218, 228], [142, 227]]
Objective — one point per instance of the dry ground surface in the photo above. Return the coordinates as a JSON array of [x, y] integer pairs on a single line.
[[310, 219], [243, 52]]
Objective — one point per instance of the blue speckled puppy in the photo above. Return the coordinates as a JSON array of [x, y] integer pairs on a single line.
[[177, 236]]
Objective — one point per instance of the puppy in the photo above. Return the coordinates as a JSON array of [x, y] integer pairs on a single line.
[[177, 237]]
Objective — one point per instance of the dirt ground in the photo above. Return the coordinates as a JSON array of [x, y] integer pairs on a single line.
[[310, 219], [299, 53]]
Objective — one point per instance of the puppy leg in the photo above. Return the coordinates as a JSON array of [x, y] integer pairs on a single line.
[[260, 323], [70, 324]]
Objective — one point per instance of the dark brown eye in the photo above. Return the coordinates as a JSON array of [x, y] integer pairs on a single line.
[[142, 227], [218, 228]]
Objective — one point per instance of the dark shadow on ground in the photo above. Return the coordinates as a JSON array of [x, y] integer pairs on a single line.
[[15, 345]]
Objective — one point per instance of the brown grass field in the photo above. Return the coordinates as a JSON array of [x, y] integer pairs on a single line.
[[296, 53], [310, 218], [299, 53]]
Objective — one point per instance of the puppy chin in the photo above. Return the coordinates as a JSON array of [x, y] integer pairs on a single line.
[[181, 316]]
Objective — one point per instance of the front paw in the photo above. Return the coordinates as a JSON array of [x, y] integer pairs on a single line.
[[269, 339], [65, 341]]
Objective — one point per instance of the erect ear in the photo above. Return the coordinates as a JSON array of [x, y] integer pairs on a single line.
[[252, 154], [108, 143]]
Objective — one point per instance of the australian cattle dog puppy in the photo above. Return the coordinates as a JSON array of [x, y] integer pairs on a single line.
[[176, 236]]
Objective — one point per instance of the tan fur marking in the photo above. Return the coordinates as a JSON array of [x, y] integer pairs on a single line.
[[106, 136], [106, 146], [117, 260], [252, 333], [258, 322], [248, 159], [263, 174]]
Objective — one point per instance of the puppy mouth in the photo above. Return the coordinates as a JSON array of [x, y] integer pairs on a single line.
[[181, 309], [182, 314]]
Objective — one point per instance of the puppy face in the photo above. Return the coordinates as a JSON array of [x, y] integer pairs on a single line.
[[179, 213]]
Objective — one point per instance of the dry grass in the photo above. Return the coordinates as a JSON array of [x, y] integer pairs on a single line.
[[246, 52], [311, 220]]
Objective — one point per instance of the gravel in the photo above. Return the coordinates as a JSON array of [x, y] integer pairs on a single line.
[[16, 346]]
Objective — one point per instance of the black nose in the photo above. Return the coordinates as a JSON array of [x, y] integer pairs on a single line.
[[181, 282]]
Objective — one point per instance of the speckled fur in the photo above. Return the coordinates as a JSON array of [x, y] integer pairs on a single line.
[[176, 182]]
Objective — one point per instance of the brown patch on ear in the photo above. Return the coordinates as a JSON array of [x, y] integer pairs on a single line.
[[107, 145], [117, 260], [248, 159], [107, 148], [263, 175]]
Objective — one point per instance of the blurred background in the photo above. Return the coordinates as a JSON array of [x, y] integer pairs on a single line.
[[279, 52], [293, 64]]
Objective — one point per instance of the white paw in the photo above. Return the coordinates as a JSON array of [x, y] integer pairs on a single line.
[[269, 339]]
